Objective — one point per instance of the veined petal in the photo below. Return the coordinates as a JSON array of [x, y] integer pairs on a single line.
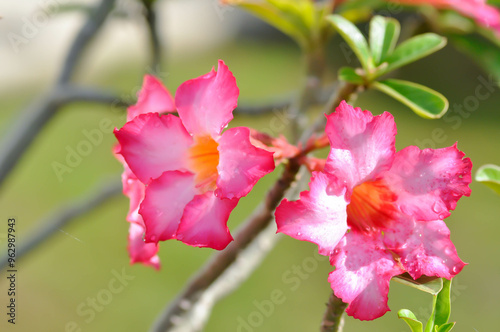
[[139, 251], [241, 164], [316, 217], [362, 145], [424, 248], [204, 223], [363, 270], [153, 144], [164, 203], [205, 104], [429, 182], [153, 98]]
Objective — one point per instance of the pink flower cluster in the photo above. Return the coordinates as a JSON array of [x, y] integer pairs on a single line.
[[378, 213], [183, 174], [374, 211]]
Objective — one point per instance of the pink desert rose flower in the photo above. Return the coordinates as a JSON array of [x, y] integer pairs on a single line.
[[484, 14], [376, 212], [153, 97], [192, 173]]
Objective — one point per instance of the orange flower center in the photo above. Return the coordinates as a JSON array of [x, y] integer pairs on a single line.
[[372, 207], [203, 161]]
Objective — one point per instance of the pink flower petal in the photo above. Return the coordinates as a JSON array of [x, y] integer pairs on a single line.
[[425, 248], [153, 144], [241, 164], [139, 251], [362, 145], [164, 203], [153, 98], [363, 270], [132, 188], [205, 104], [316, 217], [429, 182], [204, 223]]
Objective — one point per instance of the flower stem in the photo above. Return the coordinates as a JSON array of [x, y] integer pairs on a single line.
[[333, 320]]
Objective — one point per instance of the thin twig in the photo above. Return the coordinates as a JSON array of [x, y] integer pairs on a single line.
[[333, 320], [258, 221], [151, 20], [85, 35], [63, 216], [33, 118]]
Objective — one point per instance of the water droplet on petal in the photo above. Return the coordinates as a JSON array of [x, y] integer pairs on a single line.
[[436, 208], [299, 233], [455, 269], [336, 251]]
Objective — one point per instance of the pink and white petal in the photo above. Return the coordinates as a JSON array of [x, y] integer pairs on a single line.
[[205, 104], [164, 203], [132, 188], [153, 144], [363, 271], [429, 182], [204, 223], [153, 98], [362, 145], [139, 251], [241, 164], [425, 248], [135, 191], [316, 217]]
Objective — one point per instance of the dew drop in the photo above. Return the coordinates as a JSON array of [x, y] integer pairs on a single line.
[[436, 208], [455, 269], [299, 233], [336, 251]]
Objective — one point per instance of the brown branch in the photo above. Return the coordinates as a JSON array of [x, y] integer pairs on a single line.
[[333, 320]]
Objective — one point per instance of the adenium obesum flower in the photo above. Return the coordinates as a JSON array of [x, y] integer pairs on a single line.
[[376, 212], [192, 174], [484, 14], [153, 97]]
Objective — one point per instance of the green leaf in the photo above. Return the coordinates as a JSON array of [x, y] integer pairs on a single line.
[[429, 327], [355, 39], [422, 100], [412, 50], [445, 327], [349, 74], [384, 33], [431, 285], [443, 304], [489, 175], [291, 17], [410, 319]]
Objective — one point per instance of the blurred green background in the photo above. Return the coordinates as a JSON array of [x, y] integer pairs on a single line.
[[78, 262]]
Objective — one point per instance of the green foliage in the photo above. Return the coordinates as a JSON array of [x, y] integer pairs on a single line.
[[382, 56], [422, 100], [384, 34], [412, 50], [410, 319], [441, 305], [425, 284], [302, 20], [355, 39], [489, 175]]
